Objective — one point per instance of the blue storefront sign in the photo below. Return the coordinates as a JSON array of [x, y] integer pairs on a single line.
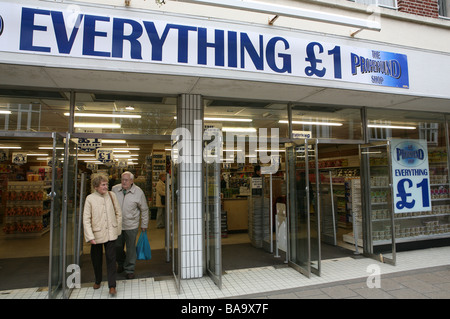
[[196, 43], [411, 176]]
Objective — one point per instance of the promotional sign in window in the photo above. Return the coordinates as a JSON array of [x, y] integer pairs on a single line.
[[19, 158], [105, 155], [411, 176], [89, 144]]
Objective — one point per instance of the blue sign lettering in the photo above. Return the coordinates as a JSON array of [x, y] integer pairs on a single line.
[[92, 35]]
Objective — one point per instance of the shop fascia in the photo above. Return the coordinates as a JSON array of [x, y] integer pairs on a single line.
[[197, 43], [186, 150]]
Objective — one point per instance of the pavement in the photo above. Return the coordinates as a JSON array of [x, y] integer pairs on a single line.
[[418, 274], [425, 283]]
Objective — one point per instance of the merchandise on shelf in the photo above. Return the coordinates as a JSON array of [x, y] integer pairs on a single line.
[[27, 209]]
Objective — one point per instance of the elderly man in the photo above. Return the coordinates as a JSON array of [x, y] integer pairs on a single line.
[[134, 208]]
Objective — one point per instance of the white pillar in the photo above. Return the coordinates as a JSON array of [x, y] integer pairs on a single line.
[[190, 109]]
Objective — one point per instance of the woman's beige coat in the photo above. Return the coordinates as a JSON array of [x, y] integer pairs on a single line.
[[101, 221]]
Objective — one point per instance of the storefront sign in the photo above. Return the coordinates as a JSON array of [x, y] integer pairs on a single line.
[[411, 178], [149, 38]]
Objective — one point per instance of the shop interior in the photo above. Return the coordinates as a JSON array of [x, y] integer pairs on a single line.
[[25, 236], [24, 246]]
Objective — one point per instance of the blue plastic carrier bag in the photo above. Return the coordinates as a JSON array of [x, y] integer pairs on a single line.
[[143, 250]]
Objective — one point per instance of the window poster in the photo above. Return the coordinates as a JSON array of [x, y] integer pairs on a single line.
[[411, 176]]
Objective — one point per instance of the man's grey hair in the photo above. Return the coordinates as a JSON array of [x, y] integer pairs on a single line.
[[130, 174]]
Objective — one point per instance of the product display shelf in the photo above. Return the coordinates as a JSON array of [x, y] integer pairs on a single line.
[[353, 194], [27, 211]]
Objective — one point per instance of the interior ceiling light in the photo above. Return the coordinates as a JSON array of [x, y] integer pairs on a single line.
[[114, 141], [311, 123], [226, 119], [126, 149], [97, 125], [11, 147], [115, 115], [5, 112], [125, 156], [239, 129], [392, 126], [36, 154], [49, 148]]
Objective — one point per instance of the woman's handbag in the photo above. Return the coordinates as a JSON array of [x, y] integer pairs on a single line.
[[143, 250]]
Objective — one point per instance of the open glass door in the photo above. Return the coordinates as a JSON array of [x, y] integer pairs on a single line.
[[213, 223], [379, 241], [303, 207], [174, 224], [63, 217], [55, 278], [70, 220]]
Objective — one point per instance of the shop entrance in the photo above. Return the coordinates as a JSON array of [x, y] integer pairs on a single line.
[[148, 159], [324, 203], [27, 241]]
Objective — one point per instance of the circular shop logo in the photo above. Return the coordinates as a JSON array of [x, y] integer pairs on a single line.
[[410, 154], [1, 25]]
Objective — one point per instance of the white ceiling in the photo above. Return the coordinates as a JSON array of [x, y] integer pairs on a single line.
[[171, 85]]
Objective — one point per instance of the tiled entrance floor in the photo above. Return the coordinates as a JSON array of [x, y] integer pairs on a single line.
[[242, 282]]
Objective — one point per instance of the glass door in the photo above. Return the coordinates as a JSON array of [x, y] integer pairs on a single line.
[[303, 207], [56, 229], [379, 240], [213, 223], [63, 216], [70, 220], [174, 224]]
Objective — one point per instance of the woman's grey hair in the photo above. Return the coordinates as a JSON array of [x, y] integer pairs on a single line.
[[97, 179]]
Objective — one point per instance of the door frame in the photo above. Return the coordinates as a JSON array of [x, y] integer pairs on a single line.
[[307, 268], [213, 221], [366, 202]]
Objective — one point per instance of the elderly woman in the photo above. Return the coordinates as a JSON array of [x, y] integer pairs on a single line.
[[102, 221]]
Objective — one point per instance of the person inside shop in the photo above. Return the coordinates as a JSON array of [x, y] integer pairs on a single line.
[[102, 213], [161, 201], [134, 206], [113, 181], [223, 182]]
